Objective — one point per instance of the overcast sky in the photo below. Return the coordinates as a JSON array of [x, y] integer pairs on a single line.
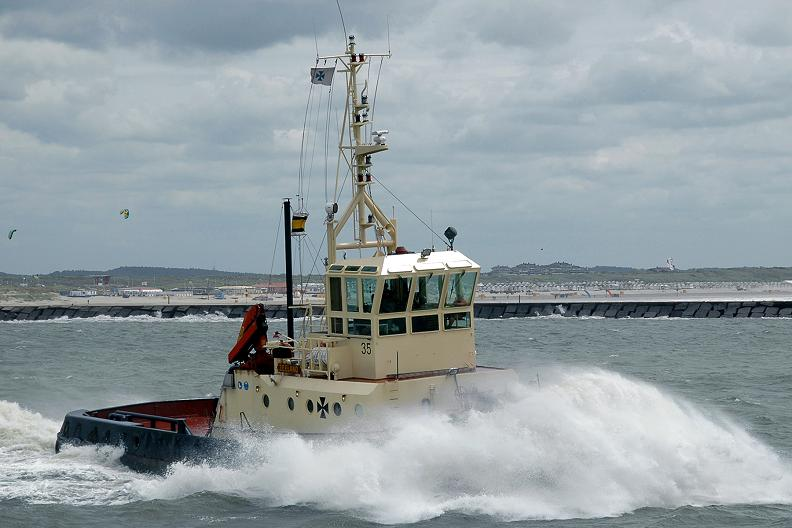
[[617, 133]]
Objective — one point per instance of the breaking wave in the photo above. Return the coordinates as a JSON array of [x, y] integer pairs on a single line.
[[588, 443], [30, 470]]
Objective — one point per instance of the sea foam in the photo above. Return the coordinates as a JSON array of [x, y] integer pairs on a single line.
[[587, 443], [31, 471]]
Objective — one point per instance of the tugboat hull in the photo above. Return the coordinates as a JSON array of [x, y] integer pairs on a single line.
[[153, 434]]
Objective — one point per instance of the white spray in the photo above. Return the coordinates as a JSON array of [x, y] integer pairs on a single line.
[[590, 443]]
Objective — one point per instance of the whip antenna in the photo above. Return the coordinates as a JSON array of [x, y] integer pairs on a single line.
[[316, 41], [338, 3]]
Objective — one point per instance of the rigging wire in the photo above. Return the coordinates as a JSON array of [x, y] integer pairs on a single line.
[[376, 86], [350, 170], [410, 210], [340, 142], [302, 141], [275, 249], [327, 133], [367, 129], [314, 135], [316, 258], [300, 260]]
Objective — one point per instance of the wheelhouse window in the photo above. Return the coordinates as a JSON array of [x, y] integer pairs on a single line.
[[425, 323], [359, 327], [460, 289], [335, 294], [336, 325], [428, 292], [395, 293], [369, 290], [352, 295], [393, 326], [457, 320]]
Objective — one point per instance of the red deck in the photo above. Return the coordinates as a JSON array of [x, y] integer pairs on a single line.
[[197, 413]]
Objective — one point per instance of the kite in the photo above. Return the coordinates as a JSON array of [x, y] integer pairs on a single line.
[[124, 213], [11, 233]]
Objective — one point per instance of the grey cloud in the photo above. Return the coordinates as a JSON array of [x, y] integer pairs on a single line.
[[611, 133], [89, 25], [522, 24], [768, 28], [183, 26]]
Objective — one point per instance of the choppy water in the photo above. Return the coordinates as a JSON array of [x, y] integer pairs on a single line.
[[617, 422]]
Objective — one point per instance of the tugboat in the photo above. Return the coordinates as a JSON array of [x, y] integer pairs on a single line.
[[395, 333]]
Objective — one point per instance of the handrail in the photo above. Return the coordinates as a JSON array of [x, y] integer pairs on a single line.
[[309, 323], [178, 425], [315, 355]]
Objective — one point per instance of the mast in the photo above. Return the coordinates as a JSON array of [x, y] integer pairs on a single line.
[[374, 229], [287, 249]]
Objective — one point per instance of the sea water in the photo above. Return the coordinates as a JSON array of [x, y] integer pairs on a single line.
[[615, 422]]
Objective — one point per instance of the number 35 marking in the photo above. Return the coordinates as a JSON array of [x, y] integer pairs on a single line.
[[365, 348]]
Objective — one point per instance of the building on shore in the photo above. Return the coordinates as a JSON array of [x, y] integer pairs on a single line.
[[307, 288], [272, 287], [240, 290], [141, 291], [79, 293]]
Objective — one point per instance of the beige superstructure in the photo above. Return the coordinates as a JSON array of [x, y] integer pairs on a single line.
[[397, 330]]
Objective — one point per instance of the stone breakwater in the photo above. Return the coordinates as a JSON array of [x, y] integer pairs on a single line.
[[43, 313], [608, 309], [635, 310]]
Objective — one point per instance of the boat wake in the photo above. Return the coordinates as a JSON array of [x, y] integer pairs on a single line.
[[588, 443]]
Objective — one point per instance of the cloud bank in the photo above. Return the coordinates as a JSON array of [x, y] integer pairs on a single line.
[[607, 133]]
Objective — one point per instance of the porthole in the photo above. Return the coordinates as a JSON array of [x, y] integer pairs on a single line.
[[309, 406], [337, 409], [265, 400], [291, 403], [358, 410]]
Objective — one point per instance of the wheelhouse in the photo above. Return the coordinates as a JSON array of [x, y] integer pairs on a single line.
[[410, 314], [401, 294]]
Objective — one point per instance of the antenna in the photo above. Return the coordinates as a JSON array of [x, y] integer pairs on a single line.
[[338, 3], [431, 228], [316, 40], [387, 23]]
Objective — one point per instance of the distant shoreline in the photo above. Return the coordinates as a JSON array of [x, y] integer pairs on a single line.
[[758, 292], [154, 300], [643, 306]]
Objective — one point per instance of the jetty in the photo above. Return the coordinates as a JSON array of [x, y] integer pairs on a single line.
[[633, 306]]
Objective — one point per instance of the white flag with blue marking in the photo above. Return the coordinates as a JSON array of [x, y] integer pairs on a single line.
[[322, 75]]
